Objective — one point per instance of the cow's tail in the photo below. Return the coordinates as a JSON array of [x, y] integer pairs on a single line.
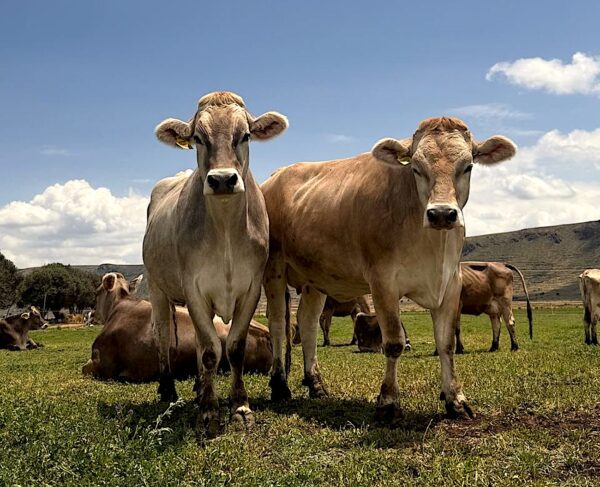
[[529, 310], [288, 333]]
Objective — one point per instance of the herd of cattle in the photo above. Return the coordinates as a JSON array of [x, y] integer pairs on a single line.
[[214, 238]]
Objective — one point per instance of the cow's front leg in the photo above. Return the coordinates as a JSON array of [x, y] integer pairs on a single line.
[[587, 324], [236, 350], [31, 344], [495, 319], [325, 323], [594, 334], [208, 354], [161, 320], [275, 289], [444, 319], [309, 311], [387, 409]]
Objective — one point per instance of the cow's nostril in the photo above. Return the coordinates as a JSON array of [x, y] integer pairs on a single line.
[[431, 214], [452, 215], [213, 182], [232, 180]]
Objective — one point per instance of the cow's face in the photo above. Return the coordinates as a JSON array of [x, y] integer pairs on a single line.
[[113, 288], [34, 319], [441, 155], [221, 131]]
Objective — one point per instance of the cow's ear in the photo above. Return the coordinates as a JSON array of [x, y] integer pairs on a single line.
[[25, 315], [175, 133], [133, 284], [268, 125], [494, 150], [108, 281], [393, 151]]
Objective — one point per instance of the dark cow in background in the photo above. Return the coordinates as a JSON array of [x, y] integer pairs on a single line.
[[487, 287], [14, 330], [126, 348], [589, 285]]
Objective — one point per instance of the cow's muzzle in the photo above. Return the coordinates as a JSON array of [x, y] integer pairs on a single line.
[[443, 217], [223, 182]]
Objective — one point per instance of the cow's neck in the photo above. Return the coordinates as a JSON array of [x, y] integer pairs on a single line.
[[226, 216]]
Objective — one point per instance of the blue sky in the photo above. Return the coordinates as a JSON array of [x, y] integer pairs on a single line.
[[83, 84]]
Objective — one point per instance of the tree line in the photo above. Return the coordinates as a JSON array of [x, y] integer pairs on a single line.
[[53, 286]]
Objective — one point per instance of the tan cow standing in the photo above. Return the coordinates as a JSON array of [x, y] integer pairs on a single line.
[[589, 285], [126, 348], [406, 196], [206, 242]]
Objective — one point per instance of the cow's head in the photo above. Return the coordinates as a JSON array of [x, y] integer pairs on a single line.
[[441, 154], [220, 131], [113, 288], [34, 320]]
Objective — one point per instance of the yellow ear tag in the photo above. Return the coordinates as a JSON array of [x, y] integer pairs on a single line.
[[404, 160], [184, 144]]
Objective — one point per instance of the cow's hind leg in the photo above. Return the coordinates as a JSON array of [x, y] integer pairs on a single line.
[[443, 324], [587, 323], [387, 409], [275, 289], [495, 319], [509, 321], [325, 322], [236, 350], [309, 310], [161, 319], [594, 336], [208, 354]]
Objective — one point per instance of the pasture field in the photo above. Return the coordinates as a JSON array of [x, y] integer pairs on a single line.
[[538, 418]]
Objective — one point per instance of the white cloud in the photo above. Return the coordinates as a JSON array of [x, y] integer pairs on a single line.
[[340, 138], [497, 111], [552, 182], [73, 223], [580, 76], [50, 150]]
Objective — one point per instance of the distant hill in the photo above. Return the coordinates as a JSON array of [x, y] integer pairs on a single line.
[[551, 258]]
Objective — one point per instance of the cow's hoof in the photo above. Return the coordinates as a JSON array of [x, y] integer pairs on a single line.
[[514, 347], [316, 388], [435, 353], [407, 347], [166, 391], [459, 350], [243, 418], [326, 344], [459, 410], [279, 389], [389, 415], [594, 341], [209, 423], [494, 348]]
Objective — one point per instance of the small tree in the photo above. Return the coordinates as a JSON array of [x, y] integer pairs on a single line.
[[9, 282], [59, 286]]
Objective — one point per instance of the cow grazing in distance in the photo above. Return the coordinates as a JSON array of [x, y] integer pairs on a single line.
[[14, 330], [126, 348], [406, 196], [589, 285], [206, 243], [487, 287]]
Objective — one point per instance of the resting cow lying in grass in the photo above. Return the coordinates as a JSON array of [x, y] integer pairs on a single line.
[[126, 348], [14, 330]]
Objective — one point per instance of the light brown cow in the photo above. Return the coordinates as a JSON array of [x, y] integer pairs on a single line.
[[589, 285], [406, 196], [126, 348], [487, 287], [206, 242], [14, 330]]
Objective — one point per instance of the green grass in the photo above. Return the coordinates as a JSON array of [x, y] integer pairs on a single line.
[[538, 418]]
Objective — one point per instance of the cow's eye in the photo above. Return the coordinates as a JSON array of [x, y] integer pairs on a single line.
[[246, 137], [198, 140], [468, 169], [416, 171]]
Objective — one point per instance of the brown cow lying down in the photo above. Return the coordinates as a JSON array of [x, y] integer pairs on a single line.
[[487, 287], [14, 330], [589, 285], [126, 349]]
